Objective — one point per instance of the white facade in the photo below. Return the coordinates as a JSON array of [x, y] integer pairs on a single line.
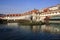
[[27, 17], [53, 8]]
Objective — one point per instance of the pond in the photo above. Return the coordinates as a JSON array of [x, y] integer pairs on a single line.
[[14, 31]]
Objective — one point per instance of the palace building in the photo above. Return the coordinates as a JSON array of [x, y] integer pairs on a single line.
[[34, 15]]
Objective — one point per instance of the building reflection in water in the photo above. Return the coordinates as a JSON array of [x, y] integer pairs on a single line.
[[12, 24], [51, 29], [38, 28], [35, 28], [45, 28]]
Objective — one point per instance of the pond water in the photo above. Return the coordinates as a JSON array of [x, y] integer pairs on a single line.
[[14, 31]]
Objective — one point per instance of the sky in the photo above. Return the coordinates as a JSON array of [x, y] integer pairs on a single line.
[[21, 6]]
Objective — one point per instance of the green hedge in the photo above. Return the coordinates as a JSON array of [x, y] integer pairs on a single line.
[[30, 23]]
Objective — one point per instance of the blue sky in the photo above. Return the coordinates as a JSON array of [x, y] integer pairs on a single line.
[[21, 6]]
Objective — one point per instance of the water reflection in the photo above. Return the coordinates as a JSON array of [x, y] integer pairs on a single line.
[[35, 28], [52, 28], [14, 31], [45, 28], [12, 24]]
